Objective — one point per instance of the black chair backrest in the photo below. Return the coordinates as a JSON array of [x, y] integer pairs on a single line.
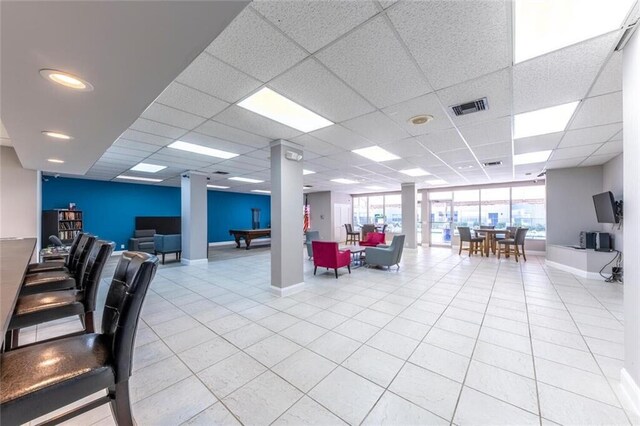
[[512, 231], [348, 227], [93, 272], [521, 233], [465, 233], [487, 227], [72, 249], [81, 257], [129, 286], [53, 239]]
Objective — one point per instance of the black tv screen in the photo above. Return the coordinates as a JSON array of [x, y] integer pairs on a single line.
[[605, 207]]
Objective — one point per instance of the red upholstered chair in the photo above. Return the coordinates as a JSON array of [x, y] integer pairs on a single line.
[[327, 255], [373, 239]]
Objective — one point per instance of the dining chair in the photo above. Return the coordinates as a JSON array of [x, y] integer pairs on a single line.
[[465, 237], [353, 237], [514, 245], [42, 377]]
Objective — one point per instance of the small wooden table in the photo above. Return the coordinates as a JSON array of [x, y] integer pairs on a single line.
[[357, 254], [248, 235], [490, 238], [15, 255]]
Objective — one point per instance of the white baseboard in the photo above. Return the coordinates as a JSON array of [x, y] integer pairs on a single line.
[[575, 271], [289, 290], [630, 389], [194, 261]]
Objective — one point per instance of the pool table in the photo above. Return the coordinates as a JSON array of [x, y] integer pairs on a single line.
[[249, 235]]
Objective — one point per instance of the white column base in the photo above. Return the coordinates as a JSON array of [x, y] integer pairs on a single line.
[[194, 261], [630, 389], [289, 290]]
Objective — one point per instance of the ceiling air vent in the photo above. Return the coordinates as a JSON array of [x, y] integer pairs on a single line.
[[218, 172], [470, 107], [492, 163]]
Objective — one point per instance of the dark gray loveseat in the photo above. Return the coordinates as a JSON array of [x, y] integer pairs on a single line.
[[142, 240]]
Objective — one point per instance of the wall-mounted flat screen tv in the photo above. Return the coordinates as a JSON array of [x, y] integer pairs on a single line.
[[606, 207]]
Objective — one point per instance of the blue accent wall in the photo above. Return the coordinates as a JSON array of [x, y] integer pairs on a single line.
[[110, 208]]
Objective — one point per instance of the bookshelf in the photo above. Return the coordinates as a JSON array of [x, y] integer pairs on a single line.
[[64, 223]]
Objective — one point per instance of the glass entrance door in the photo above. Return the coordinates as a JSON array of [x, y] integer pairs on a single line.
[[441, 222]]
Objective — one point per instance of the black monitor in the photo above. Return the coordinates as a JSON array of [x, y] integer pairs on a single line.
[[606, 208]]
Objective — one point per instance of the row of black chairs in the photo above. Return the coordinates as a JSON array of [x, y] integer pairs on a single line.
[[44, 376]]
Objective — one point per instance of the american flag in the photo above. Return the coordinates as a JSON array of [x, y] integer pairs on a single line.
[[307, 221]]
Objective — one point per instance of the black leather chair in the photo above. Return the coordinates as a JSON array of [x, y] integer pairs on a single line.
[[56, 265], [40, 378], [62, 279], [35, 309]]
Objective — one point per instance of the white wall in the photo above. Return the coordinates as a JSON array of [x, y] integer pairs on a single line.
[[612, 172], [320, 213], [19, 197]]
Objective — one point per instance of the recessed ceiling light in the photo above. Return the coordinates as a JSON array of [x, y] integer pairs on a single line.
[[56, 135], [543, 121], [344, 181], [261, 191], [66, 79], [415, 172], [531, 157], [217, 186], [307, 172], [374, 187], [375, 153], [55, 160], [543, 26], [467, 167], [204, 150], [421, 119], [148, 168], [244, 179], [436, 182], [273, 105], [143, 179]]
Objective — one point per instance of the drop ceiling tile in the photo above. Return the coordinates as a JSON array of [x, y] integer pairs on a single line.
[[376, 127], [534, 169], [493, 152], [316, 145], [137, 136], [610, 148], [610, 79], [377, 168], [597, 160], [574, 152], [216, 78], [563, 164], [263, 154], [408, 148], [489, 132], [427, 161], [315, 24], [455, 41], [456, 157], [159, 129], [140, 146], [187, 99], [590, 135], [341, 137], [133, 153], [372, 61], [311, 85], [604, 109], [537, 143], [559, 77], [426, 104], [171, 116], [222, 131], [211, 142], [255, 47], [442, 141], [122, 158], [347, 160], [241, 118], [496, 87]]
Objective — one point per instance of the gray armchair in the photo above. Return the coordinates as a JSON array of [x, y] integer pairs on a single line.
[[386, 255], [142, 240], [311, 236], [164, 244]]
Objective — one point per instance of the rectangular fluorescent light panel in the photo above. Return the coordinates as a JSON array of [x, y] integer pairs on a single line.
[[143, 179], [543, 26], [543, 121], [217, 187], [204, 150], [244, 179], [148, 168], [415, 172], [375, 153], [273, 105], [436, 182], [344, 181], [307, 172], [531, 158], [261, 191]]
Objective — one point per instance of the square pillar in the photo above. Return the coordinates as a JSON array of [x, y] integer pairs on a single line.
[[194, 218], [409, 226], [286, 218]]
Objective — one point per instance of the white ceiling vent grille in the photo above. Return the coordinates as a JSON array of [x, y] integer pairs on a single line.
[[470, 107]]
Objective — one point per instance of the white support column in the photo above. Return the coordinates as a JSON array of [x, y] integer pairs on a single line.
[[409, 228], [194, 218], [286, 218]]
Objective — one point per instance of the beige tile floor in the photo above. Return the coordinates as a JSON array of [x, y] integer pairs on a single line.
[[447, 339]]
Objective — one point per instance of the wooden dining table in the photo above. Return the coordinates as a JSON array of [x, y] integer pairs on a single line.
[[15, 255], [490, 238]]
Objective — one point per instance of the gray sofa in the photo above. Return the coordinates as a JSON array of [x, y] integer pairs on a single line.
[[142, 240], [311, 236], [385, 255]]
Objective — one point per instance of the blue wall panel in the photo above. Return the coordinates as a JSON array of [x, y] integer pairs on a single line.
[[110, 208]]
